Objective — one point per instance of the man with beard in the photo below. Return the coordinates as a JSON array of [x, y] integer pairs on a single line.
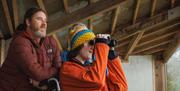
[[32, 57]]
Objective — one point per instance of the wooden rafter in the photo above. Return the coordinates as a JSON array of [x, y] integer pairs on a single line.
[[151, 51], [7, 15], [15, 13], [114, 20], [153, 7], [144, 42], [172, 48], [150, 46], [82, 14], [145, 24], [122, 44], [2, 48], [66, 8], [41, 4], [173, 3], [153, 23], [156, 32], [131, 29], [143, 45], [133, 44], [156, 37], [136, 11], [122, 52], [90, 20], [90, 26]]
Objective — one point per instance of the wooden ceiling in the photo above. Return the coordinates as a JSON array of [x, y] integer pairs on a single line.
[[141, 27]]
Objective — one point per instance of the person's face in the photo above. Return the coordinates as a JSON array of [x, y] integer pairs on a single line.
[[87, 51], [38, 24]]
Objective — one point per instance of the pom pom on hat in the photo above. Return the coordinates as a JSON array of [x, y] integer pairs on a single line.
[[80, 34]]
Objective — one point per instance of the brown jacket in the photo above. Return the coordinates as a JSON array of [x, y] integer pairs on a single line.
[[75, 77], [27, 59]]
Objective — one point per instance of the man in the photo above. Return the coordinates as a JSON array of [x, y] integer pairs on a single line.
[[91, 65], [32, 57]]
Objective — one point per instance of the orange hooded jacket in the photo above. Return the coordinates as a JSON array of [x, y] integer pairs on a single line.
[[75, 77]]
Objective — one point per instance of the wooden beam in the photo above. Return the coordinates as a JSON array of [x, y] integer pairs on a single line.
[[132, 29], [160, 74], [7, 15], [143, 24], [173, 3], [151, 51], [172, 48], [144, 42], [136, 11], [90, 21], [150, 35], [122, 50], [156, 32], [21, 9], [66, 8], [153, 7], [133, 44], [2, 56], [153, 23], [90, 26], [41, 4], [122, 44], [15, 13], [150, 46], [114, 20], [82, 14], [57, 40]]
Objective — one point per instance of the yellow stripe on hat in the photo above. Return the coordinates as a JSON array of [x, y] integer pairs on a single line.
[[83, 38]]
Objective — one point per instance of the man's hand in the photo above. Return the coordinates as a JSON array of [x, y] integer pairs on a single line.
[[36, 84]]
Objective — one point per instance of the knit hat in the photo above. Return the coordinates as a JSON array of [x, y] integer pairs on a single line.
[[80, 34]]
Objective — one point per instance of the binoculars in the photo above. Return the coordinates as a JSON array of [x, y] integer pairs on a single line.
[[112, 42]]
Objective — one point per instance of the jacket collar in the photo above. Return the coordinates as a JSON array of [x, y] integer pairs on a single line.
[[29, 36]]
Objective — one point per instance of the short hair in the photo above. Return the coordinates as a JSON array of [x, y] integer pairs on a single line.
[[28, 15]]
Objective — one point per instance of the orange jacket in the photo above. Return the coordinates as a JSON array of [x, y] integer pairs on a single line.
[[116, 79], [75, 77]]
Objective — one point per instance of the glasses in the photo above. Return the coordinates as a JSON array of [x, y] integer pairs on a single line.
[[91, 42]]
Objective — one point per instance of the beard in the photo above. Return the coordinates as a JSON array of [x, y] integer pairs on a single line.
[[40, 34]]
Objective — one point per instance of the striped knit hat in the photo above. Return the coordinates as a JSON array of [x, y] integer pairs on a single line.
[[80, 34]]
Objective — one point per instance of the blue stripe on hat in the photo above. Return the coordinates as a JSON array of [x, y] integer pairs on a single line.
[[78, 34]]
